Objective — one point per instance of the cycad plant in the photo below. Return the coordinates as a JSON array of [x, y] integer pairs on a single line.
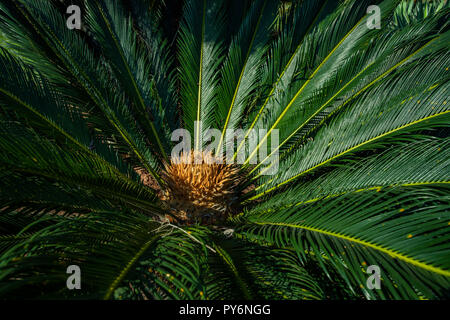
[[350, 182]]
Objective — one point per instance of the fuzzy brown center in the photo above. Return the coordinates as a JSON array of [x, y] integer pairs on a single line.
[[199, 188]]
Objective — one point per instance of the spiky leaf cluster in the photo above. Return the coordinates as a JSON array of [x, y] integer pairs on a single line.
[[86, 118]]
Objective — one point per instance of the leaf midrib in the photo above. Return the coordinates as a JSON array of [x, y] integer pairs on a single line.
[[390, 252], [346, 102], [240, 78], [345, 152], [286, 109], [128, 266], [133, 81], [279, 79], [94, 95]]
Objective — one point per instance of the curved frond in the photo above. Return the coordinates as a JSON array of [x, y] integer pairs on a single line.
[[402, 230]]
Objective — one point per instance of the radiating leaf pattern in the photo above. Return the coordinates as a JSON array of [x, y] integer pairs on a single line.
[[86, 122]]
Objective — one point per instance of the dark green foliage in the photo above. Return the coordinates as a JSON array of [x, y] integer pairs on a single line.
[[363, 176]]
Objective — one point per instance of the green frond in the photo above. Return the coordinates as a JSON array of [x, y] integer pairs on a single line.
[[240, 72], [330, 41], [408, 12], [398, 106], [25, 153], [92, 76], [421, 162], [401, 230], [253, 272], [360, 175], [87, 242], [200, 56], [113, 30], [373, 59], [175, 269]]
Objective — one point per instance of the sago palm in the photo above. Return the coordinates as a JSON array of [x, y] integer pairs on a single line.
[[355, 113]]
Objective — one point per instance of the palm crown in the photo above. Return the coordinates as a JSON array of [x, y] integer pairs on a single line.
[[87, 176]]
